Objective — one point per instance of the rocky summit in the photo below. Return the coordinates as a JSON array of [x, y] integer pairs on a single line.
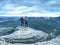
[[25, 35], [28, 36]]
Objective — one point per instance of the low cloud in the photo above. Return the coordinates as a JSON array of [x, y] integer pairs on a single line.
[[35, 14]]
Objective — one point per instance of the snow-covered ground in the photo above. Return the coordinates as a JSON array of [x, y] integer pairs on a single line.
[[28, 36]]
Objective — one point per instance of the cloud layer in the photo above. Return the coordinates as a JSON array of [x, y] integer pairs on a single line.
[[28, 7]]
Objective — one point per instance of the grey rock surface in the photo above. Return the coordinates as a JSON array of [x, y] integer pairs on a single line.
[[28, 36]]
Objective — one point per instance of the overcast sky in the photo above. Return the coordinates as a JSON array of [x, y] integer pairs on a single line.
[[30, 8]]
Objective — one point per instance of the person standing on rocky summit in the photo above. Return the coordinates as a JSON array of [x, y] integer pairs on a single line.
[[26, 21], [22, 21]]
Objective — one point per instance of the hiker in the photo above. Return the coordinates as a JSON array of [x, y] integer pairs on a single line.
[[22, 21], [26, 21]]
